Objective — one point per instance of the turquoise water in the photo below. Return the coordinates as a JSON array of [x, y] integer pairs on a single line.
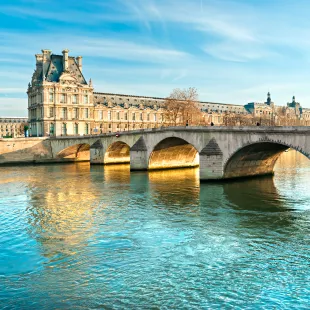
[[80, 236]]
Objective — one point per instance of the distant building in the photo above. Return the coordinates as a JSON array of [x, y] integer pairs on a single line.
[[13, 126], [294, 110], [61, 102]]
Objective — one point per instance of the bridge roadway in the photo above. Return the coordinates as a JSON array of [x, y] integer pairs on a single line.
[[220, 152]]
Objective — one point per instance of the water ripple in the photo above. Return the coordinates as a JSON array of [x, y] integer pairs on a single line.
[[77, 237]]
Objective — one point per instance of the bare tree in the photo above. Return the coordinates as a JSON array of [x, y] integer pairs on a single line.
[[281, 116], [181, 107]]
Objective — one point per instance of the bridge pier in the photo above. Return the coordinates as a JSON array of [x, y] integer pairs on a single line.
[[97, 153], [211, 162], [139, 156]]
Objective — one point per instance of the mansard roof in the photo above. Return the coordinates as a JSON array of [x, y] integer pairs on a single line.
[[100, 94], [55, 68], [50, 68], [129, 96], [14, 119], [149, 101]]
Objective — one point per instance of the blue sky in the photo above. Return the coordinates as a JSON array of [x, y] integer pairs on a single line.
[[231, 51]]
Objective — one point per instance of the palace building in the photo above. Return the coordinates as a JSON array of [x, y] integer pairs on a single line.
[[62, 102], [13, 127]]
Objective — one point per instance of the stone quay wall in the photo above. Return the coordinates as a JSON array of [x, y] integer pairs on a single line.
[[25, 150]]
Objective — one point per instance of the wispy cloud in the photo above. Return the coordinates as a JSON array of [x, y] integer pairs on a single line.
[[231, 50], [66, 15], [241, 52], [89, 45], [6, 90], [13, 107]]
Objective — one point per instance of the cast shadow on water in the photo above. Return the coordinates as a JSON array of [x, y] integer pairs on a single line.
[[252, 202]]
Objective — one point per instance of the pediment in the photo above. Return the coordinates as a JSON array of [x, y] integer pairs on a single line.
[[67, 78]]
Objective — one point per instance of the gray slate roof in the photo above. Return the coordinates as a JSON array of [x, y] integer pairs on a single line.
[[53, 69]]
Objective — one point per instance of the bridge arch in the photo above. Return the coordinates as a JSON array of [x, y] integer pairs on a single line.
[[118, 152], [257, 158], [173, 152], [76, 152]]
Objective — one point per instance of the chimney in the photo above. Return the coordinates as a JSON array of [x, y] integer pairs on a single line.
[[39, 60], [79, 62], [65, 61], [46, 55]]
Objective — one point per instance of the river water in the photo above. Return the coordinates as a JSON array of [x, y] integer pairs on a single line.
[[77, 236]]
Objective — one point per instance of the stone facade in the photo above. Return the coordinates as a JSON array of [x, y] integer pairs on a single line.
[[291, 114], [13, 127], [61, 103]]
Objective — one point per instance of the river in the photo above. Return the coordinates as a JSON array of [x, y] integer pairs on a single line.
[[75, 236]]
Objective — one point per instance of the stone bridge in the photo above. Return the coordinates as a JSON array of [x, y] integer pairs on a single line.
[[221, 152]]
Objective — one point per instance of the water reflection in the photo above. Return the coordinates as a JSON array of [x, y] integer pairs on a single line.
[[117, 173], [257, 194], [61, 212], [177, 188], [81, 236]]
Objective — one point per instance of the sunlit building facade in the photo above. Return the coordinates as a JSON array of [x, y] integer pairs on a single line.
[[62, 102], [13, 127]]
